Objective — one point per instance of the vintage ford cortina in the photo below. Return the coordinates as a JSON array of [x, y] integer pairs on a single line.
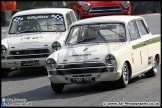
[[108, 48], [87, 9], [33, 35]]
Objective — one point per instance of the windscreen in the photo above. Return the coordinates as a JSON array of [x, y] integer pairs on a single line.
[[37, 23], [97, 33]]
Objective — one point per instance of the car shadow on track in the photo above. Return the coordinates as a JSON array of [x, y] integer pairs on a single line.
[[17, 75]]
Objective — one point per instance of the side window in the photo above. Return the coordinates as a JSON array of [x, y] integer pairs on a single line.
[[134, 34], [142, 27], [73, 16], [68, 18]]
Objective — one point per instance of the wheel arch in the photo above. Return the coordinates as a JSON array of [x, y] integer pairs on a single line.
[[157, 56]]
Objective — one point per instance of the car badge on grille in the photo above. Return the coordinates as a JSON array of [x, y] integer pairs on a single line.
[[62, 66], [17, 52], [28, 52], [85, 49]]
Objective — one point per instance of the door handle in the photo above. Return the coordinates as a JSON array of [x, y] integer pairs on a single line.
[[144, 43]]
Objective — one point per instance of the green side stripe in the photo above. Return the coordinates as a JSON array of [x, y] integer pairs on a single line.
[[154, 40], [151, 41], [137, 45]]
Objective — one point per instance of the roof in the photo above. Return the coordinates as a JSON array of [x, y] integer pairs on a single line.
[[103, 19], [43, 11]]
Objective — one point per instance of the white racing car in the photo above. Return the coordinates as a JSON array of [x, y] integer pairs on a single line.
[[109, 48], [32, 36]]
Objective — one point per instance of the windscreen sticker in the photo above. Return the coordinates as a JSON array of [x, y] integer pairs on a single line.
[[18, 19], [36, 17], [57, 17]]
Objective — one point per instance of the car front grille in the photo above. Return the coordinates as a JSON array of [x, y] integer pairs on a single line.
[[81, 71], [35, 53], [105, 9], [80, 65], [81, 68]]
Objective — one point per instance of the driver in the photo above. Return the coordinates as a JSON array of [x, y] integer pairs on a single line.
[[93, 33], [29, 25]]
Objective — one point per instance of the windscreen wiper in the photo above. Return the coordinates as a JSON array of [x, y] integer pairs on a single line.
[[57, 27], [84, 40], [117, 33]]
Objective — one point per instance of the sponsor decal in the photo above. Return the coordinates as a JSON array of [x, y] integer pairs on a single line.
[[36, 17], [28, 17]]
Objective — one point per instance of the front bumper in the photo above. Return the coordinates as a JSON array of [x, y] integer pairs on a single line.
[[105, 76], [16, 63]]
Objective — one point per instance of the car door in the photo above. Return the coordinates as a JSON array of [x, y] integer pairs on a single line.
[[144, 33], [139, 48]]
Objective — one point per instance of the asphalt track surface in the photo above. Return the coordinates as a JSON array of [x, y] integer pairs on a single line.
[[34, 86]]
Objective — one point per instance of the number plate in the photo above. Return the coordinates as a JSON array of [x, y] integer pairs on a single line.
[[30, 63], [80, 80]]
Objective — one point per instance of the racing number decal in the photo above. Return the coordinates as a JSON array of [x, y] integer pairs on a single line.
[[35, 37], [28, 38]]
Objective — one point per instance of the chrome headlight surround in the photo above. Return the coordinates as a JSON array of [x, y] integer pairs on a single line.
[[86, 6], [3, 50], [110, 59], [125, 4], [56, 46], [51, 63]]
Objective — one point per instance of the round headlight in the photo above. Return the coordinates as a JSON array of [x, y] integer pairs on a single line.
[[4, 50], [50, 63], [110, 59], [125, 4], [85, 6], [56, 46]]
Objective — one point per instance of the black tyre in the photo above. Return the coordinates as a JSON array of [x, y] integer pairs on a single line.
[[79, 16], [154, 69], [57, 88], [124, 79], [5, 72]]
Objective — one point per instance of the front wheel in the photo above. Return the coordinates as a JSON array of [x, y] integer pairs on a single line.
[[5, 72], [124, 79], [57, 88], [154, 69]]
